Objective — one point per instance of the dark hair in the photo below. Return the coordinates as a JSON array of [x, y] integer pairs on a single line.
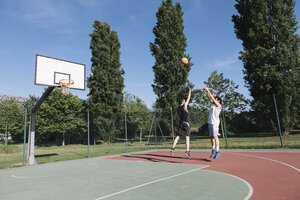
[[180, 100], [219, 98]]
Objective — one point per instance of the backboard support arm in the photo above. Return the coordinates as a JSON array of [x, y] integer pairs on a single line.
[[30, 152]]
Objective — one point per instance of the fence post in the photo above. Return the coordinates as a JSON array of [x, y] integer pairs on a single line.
[[172, 124], [88, 121], [150, 129], [94, 135], [155, 134], [278, 122], [6, 134], [25, 123], [126, 132], [225, 132]]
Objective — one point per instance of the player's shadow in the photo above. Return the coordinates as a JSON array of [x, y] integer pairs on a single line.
[[149, 158], [46, 155], [163, 158], [166, 156]]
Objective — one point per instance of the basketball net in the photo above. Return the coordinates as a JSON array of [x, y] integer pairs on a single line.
[[64, 85]]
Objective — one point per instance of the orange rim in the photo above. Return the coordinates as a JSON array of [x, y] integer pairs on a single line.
[[66, 82]]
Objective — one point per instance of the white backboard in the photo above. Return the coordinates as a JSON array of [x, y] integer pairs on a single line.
[[49, 71]]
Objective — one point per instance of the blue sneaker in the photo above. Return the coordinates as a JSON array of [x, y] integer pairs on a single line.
[[213, 152], [217, 155]]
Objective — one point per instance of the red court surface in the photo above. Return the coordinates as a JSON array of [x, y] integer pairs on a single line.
[[272, 175]]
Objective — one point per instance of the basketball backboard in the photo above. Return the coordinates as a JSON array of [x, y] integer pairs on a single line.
[[49, 71]]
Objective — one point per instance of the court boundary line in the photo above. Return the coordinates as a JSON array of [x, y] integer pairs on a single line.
[[269, 159], [148, 183], [26, 177], [250, 193]]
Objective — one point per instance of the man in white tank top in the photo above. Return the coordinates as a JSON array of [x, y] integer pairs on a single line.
[[214, 122]]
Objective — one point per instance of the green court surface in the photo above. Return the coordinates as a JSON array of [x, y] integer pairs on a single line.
[[99, 178]]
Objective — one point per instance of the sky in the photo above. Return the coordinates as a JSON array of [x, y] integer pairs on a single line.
[[61, 28]]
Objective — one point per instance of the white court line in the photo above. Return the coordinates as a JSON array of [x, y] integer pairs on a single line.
[[295, 168], [142, 185], [26, 177], [250, 193]]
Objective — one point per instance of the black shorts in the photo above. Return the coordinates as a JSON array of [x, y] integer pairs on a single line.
[[184, 129]]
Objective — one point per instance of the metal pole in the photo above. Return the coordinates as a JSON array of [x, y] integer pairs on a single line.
[[126, 132], [88, 119], [155, 134], [30, 152], [150, 128], [92, 128], [278, 122], [94, 135], [6, 135], [225, 132], [172, 124], [162, 133], [25, 123]]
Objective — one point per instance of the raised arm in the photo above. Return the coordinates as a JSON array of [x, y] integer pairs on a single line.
[[208, 94], [211, 98], [189, 97]]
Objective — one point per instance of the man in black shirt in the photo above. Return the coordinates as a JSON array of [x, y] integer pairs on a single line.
[[184, 126]]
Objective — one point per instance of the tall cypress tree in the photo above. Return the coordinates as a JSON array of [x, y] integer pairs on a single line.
[[106, 83], [271, 56], [168, 49]]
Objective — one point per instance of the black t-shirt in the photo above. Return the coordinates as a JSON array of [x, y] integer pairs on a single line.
[[183, 114]]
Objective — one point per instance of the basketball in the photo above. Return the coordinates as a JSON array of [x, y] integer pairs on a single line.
[[184, 61]]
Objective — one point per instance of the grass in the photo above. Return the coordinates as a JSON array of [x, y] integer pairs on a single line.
[[12, 155]]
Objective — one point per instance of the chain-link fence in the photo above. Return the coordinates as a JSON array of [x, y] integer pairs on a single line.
[[12, 145], [265, 124], [271, 121]]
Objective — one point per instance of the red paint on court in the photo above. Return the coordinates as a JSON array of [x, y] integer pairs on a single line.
[[272, 175]]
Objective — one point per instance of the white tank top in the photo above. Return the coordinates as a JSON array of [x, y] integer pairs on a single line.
[[213, 117]]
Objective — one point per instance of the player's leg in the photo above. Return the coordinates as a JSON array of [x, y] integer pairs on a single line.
[[175, 141], [187, 138], [213, 145], [217, 142], [187, 153], [212, 140], [186, 127], [174, 145]]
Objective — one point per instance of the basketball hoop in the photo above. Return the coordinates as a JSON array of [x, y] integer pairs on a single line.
[[64, 84]]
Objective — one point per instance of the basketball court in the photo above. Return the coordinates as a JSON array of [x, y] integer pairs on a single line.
[[146, 175], [156, 175]]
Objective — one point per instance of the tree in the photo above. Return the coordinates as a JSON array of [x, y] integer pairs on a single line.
[[168, 48], [61, 116], [12, 119], [138, 115], [233, 102], [106, 83], [271, 56], [29, 103]]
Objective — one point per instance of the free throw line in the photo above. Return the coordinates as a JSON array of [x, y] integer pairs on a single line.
[[142, 185]]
